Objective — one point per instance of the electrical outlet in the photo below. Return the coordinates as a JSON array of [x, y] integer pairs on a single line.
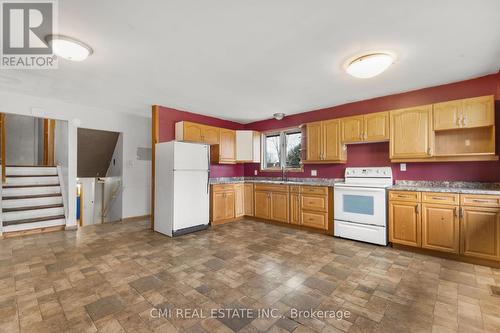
[[467, 142], [255, 172], [402, 166], [314, 173]]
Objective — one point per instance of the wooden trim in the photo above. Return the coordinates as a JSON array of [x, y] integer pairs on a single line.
[[136, 218], [48, 141], [2, 145], [293, 226], [21, 233], [467, 158], [155, 138], [446, 255]]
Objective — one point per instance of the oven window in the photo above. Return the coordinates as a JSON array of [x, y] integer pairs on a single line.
[[358, 204]]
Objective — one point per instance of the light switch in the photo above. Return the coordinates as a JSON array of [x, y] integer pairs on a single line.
[[402, 166], [314, 173], [255, 172]]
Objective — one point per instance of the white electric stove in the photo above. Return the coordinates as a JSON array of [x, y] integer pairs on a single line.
[[360, 205]]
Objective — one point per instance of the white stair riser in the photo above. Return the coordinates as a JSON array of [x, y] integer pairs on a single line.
[[16, 203], [29, 214], [32, 180], [31, 171], [35, 225], [11, 192]]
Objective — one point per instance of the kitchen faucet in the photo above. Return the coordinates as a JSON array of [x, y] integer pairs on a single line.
[[283, 174]]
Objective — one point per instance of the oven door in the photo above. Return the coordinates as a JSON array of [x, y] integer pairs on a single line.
[[360, 205]]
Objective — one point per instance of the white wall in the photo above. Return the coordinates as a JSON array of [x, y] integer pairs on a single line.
[[61, 155], [112, 185], [136, 133], [22, 140]]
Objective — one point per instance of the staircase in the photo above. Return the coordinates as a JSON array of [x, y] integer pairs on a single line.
[[31, 199]]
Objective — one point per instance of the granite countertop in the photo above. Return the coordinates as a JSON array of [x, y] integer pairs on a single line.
[[450, 187], [270, 180]]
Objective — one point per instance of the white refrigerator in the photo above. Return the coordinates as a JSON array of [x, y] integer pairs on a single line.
[[182, 172]]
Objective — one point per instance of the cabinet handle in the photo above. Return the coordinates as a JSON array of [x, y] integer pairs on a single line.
[[481, 201], [461, 212], [464, 121], [429, 151], [438, 198], [455, 212], [417, 209], [458, 121]]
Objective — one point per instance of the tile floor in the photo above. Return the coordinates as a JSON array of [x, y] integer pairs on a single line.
[[116, 278]]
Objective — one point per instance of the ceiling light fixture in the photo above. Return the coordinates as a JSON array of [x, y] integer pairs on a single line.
[[279, 116], [369, 65], [69, 48]]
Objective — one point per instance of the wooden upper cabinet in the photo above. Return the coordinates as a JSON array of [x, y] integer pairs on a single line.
[[248, 198], [440, 227], [481, 232], [447, 115], [314, 141], [332, 149], [464, 113], [411, 134], [405, 223], [352, 129], [279, 206], [239, 200], [376, 127], [227, 149], [187, 131], [210, 135], [478, 112]]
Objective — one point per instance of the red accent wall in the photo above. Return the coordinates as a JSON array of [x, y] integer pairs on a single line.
[[374, 154], [377, 154], [167, 117]]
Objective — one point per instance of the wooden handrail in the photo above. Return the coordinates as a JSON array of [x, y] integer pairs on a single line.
[[2, 145]]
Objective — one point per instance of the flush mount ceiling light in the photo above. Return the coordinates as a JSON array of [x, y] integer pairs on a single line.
[[278, 116], [369, 65], [69, 48]]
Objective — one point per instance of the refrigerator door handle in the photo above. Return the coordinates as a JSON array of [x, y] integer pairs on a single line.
[[208, 173]]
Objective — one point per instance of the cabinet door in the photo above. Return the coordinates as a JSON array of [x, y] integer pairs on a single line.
[[352, 129], [411, 132], [481, 233], [440, 228], [193, 132], [314, 141], [218, 206], [404, 223], [479, 111], [227, 145], [210, 135], [332, 150], [239, 201], [262, 205], [248, 197], [447, 115], [294, 208], [229, 205], [279, 206], [376, 127]]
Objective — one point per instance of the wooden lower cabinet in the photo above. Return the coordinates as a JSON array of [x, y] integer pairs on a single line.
[[223, 205], [440, 228], [279, 206], [262, 205], [481, 232], [295, 208], [248, 199], [404, 223], [239, 200], [314, 219]]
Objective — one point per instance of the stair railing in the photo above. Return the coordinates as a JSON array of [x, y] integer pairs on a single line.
[[111, 200]]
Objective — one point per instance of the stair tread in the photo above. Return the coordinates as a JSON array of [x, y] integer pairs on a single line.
[[31, 166], [33, 220], [29, 176], [37, 196], [22, 209], [27, 185]]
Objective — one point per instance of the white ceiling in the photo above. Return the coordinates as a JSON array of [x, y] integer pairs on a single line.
[[245, 60]]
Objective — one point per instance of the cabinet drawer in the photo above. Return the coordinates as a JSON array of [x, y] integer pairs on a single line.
[[294, 189], [315, 220], [271, 188], [314, 202], [404, 196], [223, 187], [440, 198], [323, 190], [480, 200]]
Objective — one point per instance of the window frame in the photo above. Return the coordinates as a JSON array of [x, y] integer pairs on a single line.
[[282, 156]]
